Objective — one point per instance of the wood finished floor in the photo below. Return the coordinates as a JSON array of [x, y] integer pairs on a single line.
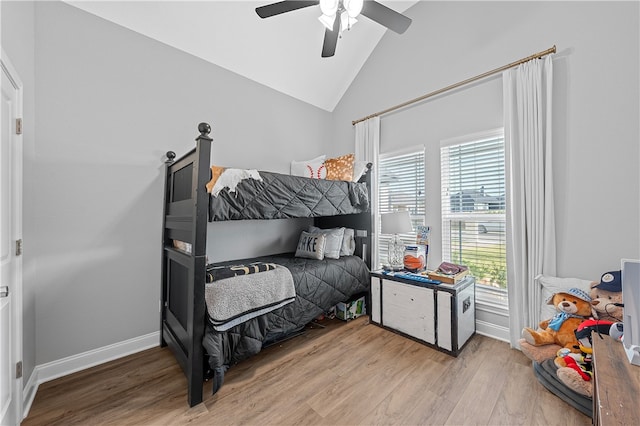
[[350, 373]]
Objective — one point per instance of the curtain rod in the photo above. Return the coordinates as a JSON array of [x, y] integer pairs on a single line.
[[459, 84]]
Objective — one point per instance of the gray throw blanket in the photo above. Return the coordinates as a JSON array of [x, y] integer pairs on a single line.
[[232, 301], [216, 273]]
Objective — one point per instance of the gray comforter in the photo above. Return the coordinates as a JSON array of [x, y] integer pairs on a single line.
[[280, 196], [320, 284]]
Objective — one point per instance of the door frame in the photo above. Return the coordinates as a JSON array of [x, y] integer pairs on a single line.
[[9, 70]]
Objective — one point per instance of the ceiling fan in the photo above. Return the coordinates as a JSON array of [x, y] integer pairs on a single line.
[[338, 15]]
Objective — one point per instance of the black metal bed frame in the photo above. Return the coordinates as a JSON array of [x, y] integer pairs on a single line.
[[186, 209]]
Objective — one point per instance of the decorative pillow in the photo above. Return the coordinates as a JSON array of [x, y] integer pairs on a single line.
[[313, 168], [340, 168], [552, 285], [311, 246], [348, 242], [333, 244], [348, 246], [359, 167], [216, 171]]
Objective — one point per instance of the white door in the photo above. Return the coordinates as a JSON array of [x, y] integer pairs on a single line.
[[10, 260]]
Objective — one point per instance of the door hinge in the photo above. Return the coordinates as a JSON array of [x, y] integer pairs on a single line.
[[19, 247], [18, 369], [18, 126]]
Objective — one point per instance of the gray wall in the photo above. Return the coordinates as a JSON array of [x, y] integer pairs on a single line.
[[111, 103], [595, 110]]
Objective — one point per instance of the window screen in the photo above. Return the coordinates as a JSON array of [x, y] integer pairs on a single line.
[[473, 207], [401, 184]]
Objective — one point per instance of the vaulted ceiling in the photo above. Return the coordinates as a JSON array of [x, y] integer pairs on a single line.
[[282, 52]]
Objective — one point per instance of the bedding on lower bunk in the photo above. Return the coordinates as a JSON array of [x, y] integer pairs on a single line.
[[280, 196], [319, 285], [235, 299]]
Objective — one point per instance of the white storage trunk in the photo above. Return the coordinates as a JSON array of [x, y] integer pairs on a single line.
[[456, 318], [409, 309], [441, 316]]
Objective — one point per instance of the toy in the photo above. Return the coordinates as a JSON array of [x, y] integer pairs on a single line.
[[538, 353], [573, 307], [575, 370], [617, 331], [606, 296]]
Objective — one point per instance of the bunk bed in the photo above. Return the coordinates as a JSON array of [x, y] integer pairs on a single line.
[[186, 327]]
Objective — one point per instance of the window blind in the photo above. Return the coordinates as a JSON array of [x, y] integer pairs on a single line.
[[401, 186], [473, 208]]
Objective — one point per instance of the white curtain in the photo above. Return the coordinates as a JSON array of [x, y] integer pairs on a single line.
[[367, 149], [531, 241]]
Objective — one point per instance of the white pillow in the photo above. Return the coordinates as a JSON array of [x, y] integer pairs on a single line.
[[348, 242], [311, 246], [552, 285], [334, 238], [359, 167], [313, 168]]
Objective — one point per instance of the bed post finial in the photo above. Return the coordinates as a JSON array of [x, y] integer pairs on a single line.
[[204, 129], [170, 156]]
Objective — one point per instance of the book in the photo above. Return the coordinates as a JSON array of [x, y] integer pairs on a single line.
[[422, 235], [448, 278]]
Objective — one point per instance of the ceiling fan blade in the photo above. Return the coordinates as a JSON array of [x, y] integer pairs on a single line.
[[283, 7], [331, 39], [389, 18]]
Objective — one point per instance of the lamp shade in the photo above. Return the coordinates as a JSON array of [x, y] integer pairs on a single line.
[[327, 21], [396, 222], [353, 7], [346, 22], [329, 7]]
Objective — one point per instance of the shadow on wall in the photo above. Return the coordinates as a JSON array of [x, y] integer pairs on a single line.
[[250, 238], [98, 255]]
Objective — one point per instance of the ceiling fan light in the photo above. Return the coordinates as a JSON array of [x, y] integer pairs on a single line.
[[346, 21], [329, 7], [327, 21], [353, 7]]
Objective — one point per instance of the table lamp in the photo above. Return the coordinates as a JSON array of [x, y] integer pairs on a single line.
[[395, 223]]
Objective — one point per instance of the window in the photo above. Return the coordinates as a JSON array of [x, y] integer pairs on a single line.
[[473, 207], [401, 187]]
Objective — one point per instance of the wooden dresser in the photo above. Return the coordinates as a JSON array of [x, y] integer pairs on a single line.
[[616, 392]]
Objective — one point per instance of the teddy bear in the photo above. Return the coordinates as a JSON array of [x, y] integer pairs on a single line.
[[573, 306], [606, 302], [575, 370], [606, 297]]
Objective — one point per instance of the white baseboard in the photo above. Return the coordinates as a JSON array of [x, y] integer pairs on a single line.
[[492, 330], [72, 364], [29, 392], [65, 366]]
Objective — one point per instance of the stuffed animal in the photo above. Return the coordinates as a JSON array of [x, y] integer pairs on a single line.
[[606, 297], [538, 353], [573, 307], [575, 370]]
